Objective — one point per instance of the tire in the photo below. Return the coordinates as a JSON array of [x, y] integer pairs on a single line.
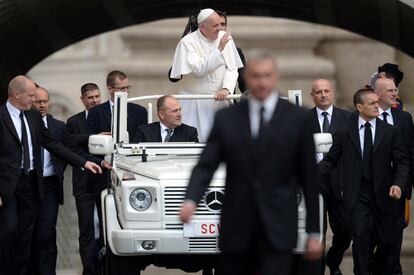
[[120, 265], [207, 272]]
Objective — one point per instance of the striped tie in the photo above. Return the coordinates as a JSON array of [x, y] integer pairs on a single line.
[[169, 135]]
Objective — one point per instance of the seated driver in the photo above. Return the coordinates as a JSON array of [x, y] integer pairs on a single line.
[[169, 128]]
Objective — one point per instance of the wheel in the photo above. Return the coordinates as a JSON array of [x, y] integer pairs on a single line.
[[120, 265], [208, 271]]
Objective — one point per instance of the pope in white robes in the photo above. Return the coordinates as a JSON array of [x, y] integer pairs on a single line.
[[207, 61]]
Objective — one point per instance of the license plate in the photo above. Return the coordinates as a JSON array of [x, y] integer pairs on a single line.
[[201, 229]]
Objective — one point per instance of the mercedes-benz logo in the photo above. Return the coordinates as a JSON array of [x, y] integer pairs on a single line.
[[213, 200]]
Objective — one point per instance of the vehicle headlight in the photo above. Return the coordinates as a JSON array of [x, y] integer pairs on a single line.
[[140, 199]]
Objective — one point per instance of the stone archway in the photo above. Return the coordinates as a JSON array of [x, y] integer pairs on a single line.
[[34, 29]]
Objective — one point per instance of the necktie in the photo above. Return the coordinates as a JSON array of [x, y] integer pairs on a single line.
[[367, 154], [325, 123], [169, 135], [262, 123], [25, 145], [385, 115]]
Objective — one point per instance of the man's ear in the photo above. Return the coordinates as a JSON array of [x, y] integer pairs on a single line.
[[359, 107]]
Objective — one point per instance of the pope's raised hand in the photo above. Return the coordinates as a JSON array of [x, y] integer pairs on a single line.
[[223, 42]]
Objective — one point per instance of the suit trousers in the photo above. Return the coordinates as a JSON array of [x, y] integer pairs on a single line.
[[88, 248], [340, 225], [392, 258], [368, 226], [17, 222], [259, 258], [44, 245]]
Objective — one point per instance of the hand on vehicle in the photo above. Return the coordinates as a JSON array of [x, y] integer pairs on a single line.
[[93, 167], [314, 249], [106, 165], [187, 211], [395, 192], [221, 95], [223, 42], [106, 133], [1, 203]]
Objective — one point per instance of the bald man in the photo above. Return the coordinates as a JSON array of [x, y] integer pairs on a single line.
[[22, 135], [327, 119], [388, 93], [169, 128]]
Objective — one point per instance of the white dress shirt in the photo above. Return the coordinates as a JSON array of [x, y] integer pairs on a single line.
[[319, 156], [86, 114], [361, 127], [15, 116], [390, 119], [321, 117], [48, 169], [269, 105], [164, 132]]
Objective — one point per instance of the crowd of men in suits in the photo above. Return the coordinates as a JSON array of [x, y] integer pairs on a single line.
[[34, 159], [365, 179]]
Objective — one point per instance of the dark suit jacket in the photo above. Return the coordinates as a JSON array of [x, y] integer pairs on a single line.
[[152, 133], [339, 117], [389, 163], [58, 130], [262, 178], [404, 122], [11, 151], [77, 141], [99, 119]]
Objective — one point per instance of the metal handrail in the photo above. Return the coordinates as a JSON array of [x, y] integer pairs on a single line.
[[183, 97], [198, 97]]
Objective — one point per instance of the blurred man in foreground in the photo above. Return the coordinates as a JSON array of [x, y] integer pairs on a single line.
[[267, 146]]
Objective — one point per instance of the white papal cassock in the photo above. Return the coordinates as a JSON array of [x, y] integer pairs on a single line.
[[205, 70]]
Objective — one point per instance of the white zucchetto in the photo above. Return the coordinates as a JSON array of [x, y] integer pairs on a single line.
[[204, 14]]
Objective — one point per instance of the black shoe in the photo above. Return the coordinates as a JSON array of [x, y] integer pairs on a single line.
[[336, 271]]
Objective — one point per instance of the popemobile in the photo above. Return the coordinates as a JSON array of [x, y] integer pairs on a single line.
[[141, 205]]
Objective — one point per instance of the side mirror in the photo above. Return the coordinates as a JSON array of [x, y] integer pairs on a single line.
[[323, 142], [100, 145]]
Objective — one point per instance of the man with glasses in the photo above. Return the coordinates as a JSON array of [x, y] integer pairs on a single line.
[[99, 121], [99, 117], [387, 93]]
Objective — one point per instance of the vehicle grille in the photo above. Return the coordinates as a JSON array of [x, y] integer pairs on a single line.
[[174, 226], [203, 245], [174, 197]]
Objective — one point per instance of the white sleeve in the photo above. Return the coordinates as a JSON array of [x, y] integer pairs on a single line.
[[230, 80], [203, 66]]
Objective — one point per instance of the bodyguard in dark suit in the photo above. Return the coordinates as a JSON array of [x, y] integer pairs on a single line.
[[375, 173], [169, 128], [99, 121], [22, 134], [327, 118], [387, 93], [44, 245], [99, 117], [77, 140], [267, 146]]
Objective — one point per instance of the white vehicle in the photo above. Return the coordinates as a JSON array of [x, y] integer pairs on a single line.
[[140, 208]]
